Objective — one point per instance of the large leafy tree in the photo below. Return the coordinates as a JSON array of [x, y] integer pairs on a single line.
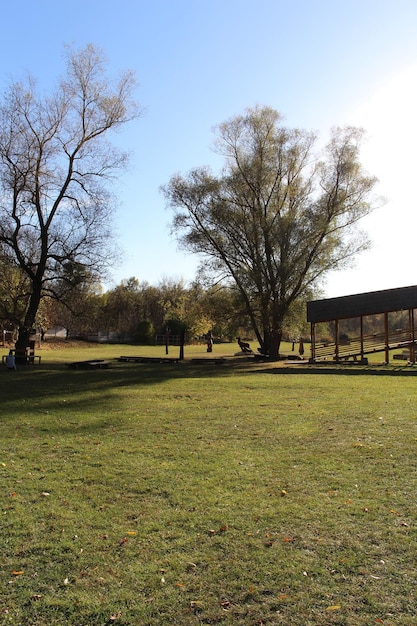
[[14, 290], [55, 167], [277, 218]]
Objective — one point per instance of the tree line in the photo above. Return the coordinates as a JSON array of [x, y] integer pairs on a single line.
[[135, 312]]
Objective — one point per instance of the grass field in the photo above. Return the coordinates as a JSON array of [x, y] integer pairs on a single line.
[[194, 493]]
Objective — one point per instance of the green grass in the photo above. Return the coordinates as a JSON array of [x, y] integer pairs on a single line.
[[153, 494]]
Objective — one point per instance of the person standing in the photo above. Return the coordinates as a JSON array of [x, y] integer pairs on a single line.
[[10, 361]]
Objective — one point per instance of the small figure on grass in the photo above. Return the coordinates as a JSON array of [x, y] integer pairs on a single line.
[[10, 361], [209, 339]]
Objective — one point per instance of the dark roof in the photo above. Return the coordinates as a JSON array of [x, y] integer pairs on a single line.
[[361, 304]]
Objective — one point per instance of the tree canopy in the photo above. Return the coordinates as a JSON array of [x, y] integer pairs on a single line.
[[55, 167], [278, 217]]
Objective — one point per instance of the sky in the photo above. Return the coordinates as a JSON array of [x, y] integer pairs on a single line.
[[320, 63]]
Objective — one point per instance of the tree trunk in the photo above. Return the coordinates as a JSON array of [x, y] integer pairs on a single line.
[[22, 344], [26, 329], [274, 344], [275, 335]]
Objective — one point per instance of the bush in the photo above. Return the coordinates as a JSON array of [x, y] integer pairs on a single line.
[[144, 333]]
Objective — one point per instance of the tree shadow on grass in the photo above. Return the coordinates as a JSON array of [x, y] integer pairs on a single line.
[[55, 389]]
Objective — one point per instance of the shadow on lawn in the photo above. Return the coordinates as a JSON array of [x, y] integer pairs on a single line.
[[56, 398], [53, 388], [342, 370], [51, 384]]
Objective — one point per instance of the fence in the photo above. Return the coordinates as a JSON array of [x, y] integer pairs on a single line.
[[173, 340]]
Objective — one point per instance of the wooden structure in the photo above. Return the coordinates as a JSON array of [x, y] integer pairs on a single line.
[[25, 356], [91, 364], [359, 306], [148, 359]]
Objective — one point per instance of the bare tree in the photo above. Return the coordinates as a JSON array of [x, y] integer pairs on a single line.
[[277, 218], [55, 167]]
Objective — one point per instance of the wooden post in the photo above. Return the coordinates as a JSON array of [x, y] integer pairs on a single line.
[[362, 353], [386, 338], [412, 338], [313, 342], [182, 342], [166, 340], [336, 330]]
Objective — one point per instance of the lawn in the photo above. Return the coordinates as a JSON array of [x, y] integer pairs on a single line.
[[198, 493]]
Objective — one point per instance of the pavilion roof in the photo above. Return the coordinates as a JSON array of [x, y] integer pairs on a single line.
[[361, 304]]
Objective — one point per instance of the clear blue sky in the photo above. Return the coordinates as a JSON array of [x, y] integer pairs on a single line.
[[198, 62]]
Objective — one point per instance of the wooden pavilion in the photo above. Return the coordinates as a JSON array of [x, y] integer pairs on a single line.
[[359, 306]]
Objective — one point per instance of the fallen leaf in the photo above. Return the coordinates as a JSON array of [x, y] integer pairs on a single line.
[[132, 533], [334, 607], [123, 541], [114, 617], [17, 573], [191, 567]]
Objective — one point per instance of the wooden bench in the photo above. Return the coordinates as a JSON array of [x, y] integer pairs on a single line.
[[33, 358], [92, 364], [147, 359], [216, 361], [30, 358]]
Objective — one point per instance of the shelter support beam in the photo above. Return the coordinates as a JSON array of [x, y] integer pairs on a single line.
[[412, 336], [336, 339], [313, 342], [386, 338]]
